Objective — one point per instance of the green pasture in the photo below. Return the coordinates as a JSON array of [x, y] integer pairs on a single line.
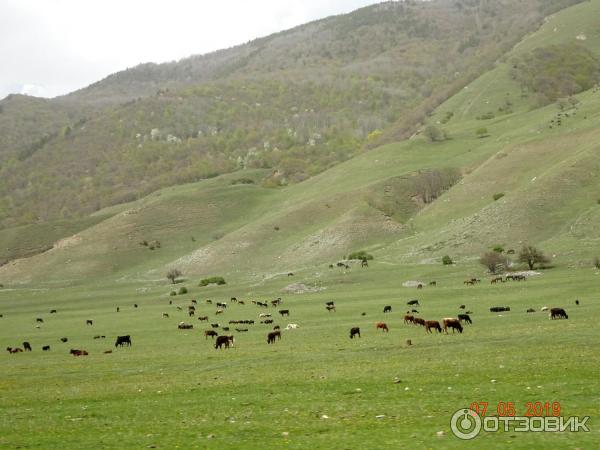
[[172, 389]]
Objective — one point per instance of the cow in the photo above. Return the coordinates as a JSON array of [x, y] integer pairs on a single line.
[[558, 313], [191, 308], [264, 315], [462, 307], [354, 331], [203, 318], [64, 339], [465, 318], [499, 308], [75, 352], [272, 335], [14, 350], [276, 302], [419, 286], [185, 326], [211, 333], [135, 305], [241, 330], [52, 311], [290, 274], [387, 309], [409, 318], [364, 263], [577, 302], [381, 326], [118, 309], [241, 302], [89, 322], [165, 315], [123, 340], [544, 308], [27, 346], [191, 313], [531, 310], [224, 341], [469, 282], [413, 303], [329, 303], [222, 305], [450, 322], [39, 320], [46, 348], [429, 324], [291, 326], [414, 311], [233, 299], [267, 321], [432, 283], [214, 325], [209, 302], [179, 308], [330, 308], [284, 312], [419, 321]]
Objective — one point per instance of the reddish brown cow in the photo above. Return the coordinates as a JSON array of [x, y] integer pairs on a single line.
[[409, 318], [14, 350], [419, 321], [381, 326], [453, 323], [211, 333], [429, 324], [75, 352]]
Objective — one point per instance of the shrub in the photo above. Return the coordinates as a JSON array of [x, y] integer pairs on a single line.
[[596, 264], [482, 132], [243, 181], [182, 290], [498, 249], [360, 255], [435, 134], [447, 261], [172, 293], [498, 196], [212, 280]]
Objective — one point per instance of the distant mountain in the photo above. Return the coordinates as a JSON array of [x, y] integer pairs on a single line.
[[296, 102]]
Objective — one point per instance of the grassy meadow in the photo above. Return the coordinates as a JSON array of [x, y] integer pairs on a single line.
[[172, 389]]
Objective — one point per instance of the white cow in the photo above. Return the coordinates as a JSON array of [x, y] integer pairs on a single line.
[[291, 326]]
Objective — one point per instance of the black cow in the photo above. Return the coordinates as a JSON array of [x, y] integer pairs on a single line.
[[39, 320], [26, 346], [465, 318], [555, 313], [354, 331], [121, 340], [413, 303], [89, 322], [52, 311], [499, 308], [284, 312], [46, 348], [272, 335], [64, 339], [387, 309], [224, 341]]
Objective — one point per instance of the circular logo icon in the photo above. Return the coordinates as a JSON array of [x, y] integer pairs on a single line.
[[465, 424]]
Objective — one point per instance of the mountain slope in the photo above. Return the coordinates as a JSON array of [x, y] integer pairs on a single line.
[[297, 102]]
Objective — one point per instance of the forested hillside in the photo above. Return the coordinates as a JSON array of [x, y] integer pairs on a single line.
[[296, 103]]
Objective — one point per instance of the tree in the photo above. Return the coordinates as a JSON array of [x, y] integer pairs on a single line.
[[173, 274], [447, 261], [494, 261], [532, 256]]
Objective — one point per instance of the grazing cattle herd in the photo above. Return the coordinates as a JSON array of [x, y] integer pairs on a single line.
[[225, 341]]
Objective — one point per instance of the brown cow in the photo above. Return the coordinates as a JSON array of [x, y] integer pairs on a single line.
[[409, 318], [419, 321], [203, 318], [272, 335], [381, 326], [78, 352], [453, 323], [14, 350], [211, 333], [185, 326], [429, 324]]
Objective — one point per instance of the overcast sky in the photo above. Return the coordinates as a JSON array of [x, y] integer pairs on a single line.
[[51, 47]]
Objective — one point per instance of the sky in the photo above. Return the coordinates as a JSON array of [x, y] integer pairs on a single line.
[[52, 47]]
